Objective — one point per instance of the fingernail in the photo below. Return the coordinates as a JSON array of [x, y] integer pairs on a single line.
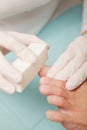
[[43, 88], [19, 89], [69, 87]]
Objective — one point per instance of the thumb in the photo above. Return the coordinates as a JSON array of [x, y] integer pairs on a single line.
[[44, 70]]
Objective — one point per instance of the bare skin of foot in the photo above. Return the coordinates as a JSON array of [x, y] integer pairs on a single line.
[[72, 105]]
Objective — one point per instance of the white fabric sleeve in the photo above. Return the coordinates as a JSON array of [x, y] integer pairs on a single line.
[[12, 7], [84, 24]]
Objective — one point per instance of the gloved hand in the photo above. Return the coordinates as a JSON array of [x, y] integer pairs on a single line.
[[71, 66], [17, 43]]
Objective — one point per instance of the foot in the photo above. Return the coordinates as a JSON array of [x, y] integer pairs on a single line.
[[72, 105]]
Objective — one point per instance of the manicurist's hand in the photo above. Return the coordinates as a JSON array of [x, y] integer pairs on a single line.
[[71, 66], [17, 43]]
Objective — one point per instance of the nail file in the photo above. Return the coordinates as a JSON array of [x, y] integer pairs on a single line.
[[28, 69]]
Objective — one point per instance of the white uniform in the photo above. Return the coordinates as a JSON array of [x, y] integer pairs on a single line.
[[28, 16]]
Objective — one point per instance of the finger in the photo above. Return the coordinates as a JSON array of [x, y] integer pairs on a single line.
[[77, 78], [6, 86], [58, 101], [62, 61], [44, 70], [27, 39], [55, 116], [70, 68], [50, 81], [8, 71], [17, 47], [52, 90]]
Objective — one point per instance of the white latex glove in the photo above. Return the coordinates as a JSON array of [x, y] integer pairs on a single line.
[[71, 66], [17, 43]]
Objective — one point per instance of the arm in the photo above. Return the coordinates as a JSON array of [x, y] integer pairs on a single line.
[[12, 7]]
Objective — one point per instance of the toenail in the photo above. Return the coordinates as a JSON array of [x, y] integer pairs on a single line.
[[43, 88], [42, 80], [48, 114]]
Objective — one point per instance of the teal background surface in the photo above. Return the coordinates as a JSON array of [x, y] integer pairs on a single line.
[[26, 111]]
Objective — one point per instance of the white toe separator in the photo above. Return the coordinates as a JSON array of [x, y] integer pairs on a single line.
[[28, 69]]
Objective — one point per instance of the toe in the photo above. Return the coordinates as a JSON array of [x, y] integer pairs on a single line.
[[55, 116], [52, 90], [58, 101]]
